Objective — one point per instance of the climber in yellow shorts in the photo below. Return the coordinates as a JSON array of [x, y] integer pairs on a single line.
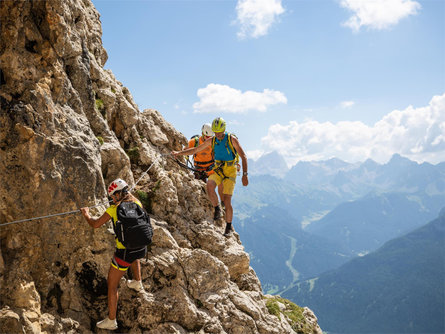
[[226, 148]]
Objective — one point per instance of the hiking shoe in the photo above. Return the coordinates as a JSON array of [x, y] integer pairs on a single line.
[[107, 324], [135, 285], [217, 214], [229, 230]]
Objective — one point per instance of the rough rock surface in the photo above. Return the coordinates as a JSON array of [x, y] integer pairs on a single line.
[[67, 128]]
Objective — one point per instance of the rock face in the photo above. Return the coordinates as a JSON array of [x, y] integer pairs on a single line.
[[67, 129]]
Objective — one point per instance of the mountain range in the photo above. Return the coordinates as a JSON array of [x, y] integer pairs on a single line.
[[365, 224], [354, 179], [332, 211], [354, 242], [399, 288], [282, 252]]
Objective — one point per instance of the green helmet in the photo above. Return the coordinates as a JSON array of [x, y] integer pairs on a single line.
[[219, 125]]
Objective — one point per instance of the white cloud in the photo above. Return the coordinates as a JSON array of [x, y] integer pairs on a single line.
[[378, 14], [347, 104], [416, 133], [255, 17], [222, 98], [254, 154]]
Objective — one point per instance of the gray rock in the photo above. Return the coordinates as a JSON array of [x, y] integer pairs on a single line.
[[67, 129]]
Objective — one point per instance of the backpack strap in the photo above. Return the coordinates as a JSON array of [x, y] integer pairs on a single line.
[[229, 140], [213, 143], [196, 138]]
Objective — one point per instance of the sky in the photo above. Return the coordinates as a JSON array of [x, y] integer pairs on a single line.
[[310, 79]]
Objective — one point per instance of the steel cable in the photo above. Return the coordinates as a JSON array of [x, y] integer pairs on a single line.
[[90, 207]]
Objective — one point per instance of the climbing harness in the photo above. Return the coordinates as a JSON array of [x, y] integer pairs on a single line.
[[218, 169], [90, 207]]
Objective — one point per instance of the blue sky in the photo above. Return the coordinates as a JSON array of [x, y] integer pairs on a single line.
[[310, 79]]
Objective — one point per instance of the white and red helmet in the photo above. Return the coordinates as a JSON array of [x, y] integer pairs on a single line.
[[116, 185]]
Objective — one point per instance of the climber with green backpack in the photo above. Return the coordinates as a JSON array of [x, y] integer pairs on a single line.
[[225, 148], [204, 161]]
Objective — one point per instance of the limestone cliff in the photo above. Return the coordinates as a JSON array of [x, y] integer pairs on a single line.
[[68, 128]]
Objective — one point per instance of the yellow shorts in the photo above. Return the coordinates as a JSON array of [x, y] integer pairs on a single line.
[[228, 182]]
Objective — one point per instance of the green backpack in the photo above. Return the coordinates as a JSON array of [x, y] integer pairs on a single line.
[[196, 138]]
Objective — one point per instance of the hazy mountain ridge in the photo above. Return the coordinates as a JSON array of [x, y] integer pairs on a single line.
[[353, 180], [268, 190], [385, 200], [274, 238], [396, 289], [365, 224]]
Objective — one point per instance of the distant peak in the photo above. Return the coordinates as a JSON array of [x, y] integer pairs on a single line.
[[398, 159], [396, 156], [337, 162], [370, 162], [273, 154]]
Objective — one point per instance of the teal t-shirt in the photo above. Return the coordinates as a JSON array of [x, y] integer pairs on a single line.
[[222, 149]]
